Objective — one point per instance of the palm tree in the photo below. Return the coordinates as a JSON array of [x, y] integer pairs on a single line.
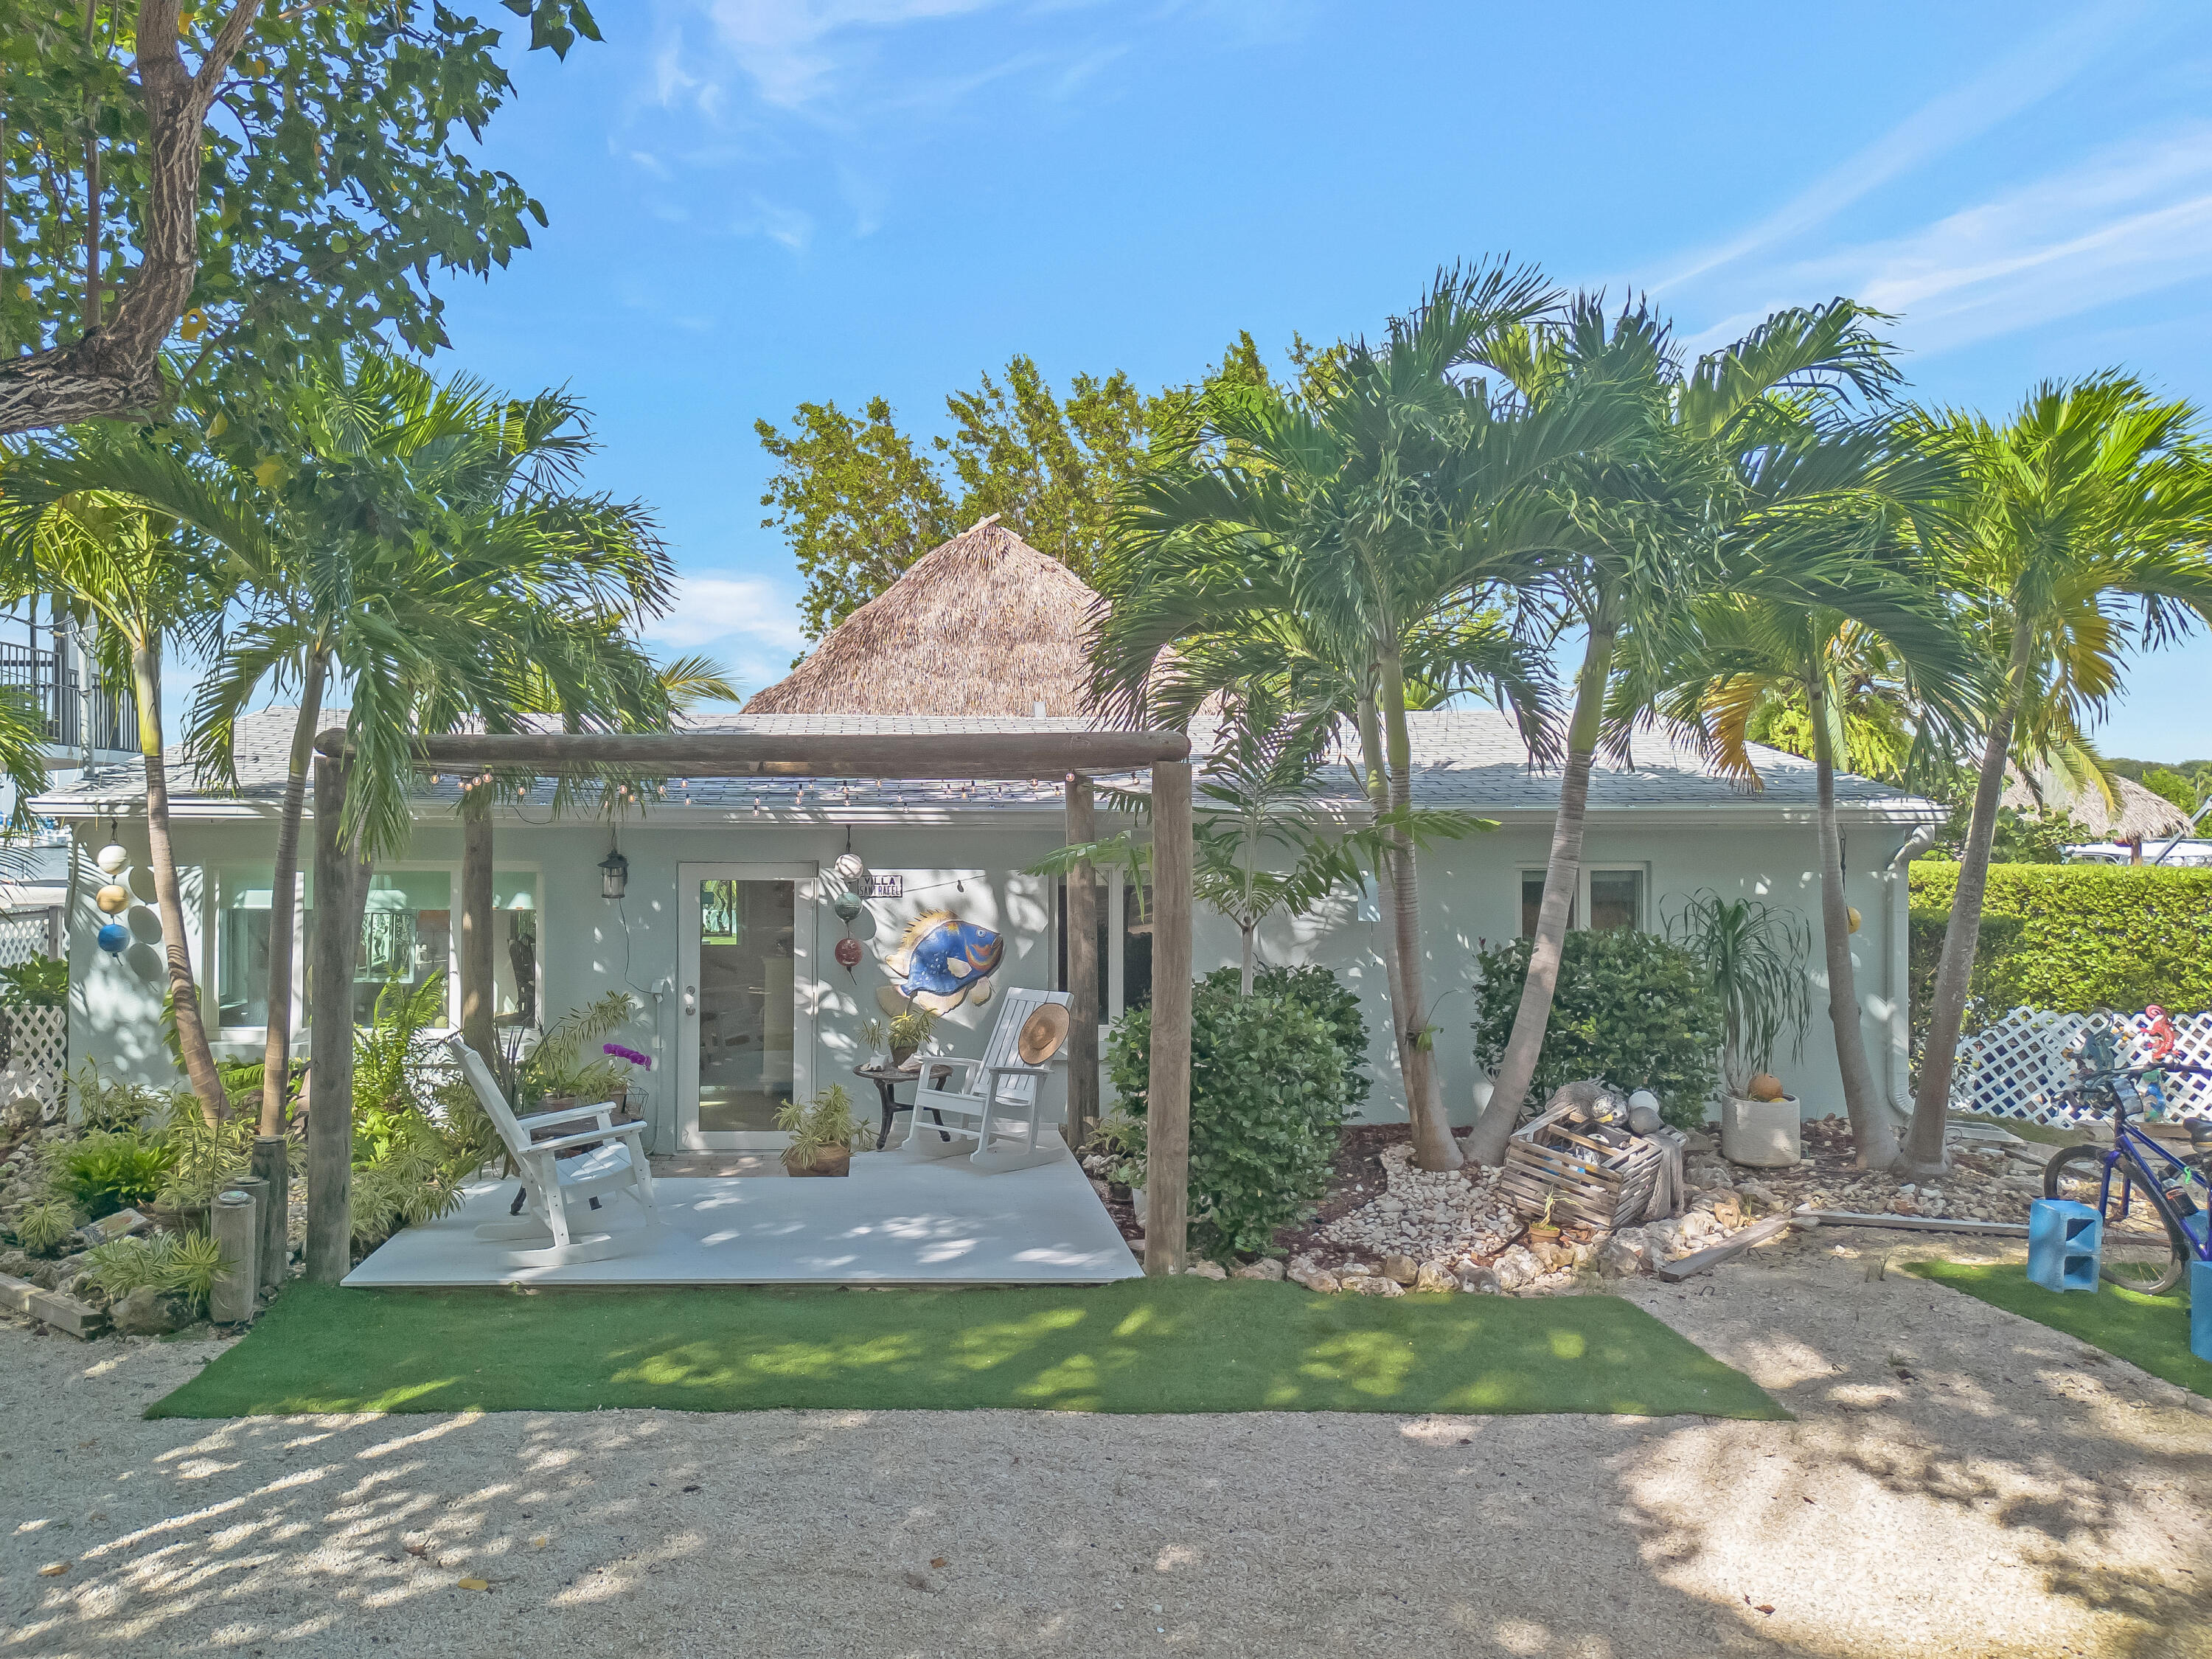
[[1650, 524], [1881, 676], [141, 581], [2094, 497], [1349, 534]]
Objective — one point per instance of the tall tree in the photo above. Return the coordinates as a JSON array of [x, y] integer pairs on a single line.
[[1359, 525], [141, 583], [301, 176], [2093, 499], [1648, 541], [1884, 676]]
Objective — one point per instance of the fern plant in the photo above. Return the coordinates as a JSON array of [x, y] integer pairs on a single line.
[[112, 1169]]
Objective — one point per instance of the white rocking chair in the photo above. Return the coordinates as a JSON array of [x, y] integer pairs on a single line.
[[551, 1237], [993, 1104]]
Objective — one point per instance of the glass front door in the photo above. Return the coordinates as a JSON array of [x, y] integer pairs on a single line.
[[745, 999]]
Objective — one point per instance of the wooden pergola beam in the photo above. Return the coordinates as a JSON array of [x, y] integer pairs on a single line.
[[821, 754]]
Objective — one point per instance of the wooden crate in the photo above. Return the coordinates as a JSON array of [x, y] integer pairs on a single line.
[[1598, 1186]]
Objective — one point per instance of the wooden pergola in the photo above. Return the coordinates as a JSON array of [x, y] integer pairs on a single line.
[[1072, 756]]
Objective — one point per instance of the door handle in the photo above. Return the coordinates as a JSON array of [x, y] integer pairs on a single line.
[[690, 999]]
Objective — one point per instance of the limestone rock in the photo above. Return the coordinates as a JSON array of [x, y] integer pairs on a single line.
[[1625, 1255], [1434, 1276], [1481, 1281], [1266, 1267], [1206, 1270], [1516, 1267], [1401, 1269], [1321, 1280], [1372, 1285], [148, 1312], [1724, 1207]]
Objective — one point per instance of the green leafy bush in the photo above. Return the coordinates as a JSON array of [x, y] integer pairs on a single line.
[[1320, 992], [1631, 1007], [2074, 937], [43, 1226], [104, 1102], [204, 1158], [37, 982], [414, 1175], [1267, 1105], [112, 1169], [186, 1266]]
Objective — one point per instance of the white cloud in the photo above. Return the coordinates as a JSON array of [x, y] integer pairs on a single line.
[[746, 613], [793, 49], [2132, 219], [2020, 79]]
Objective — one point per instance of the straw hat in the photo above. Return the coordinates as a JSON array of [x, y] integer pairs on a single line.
[[1042, 1034]]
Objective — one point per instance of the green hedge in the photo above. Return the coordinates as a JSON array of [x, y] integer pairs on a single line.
[[2073, 938]]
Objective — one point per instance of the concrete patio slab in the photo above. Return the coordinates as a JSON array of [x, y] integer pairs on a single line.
[[890, 1222]]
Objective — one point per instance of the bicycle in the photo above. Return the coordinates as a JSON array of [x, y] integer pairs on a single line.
[[2138, 1160]]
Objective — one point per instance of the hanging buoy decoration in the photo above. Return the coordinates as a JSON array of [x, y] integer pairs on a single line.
[[847, 905], [850, 872], [112, 859], [112, 899], [113, 937], [849, 953], [1851, 913]]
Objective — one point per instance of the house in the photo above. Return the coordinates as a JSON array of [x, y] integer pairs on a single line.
[[715, 908]]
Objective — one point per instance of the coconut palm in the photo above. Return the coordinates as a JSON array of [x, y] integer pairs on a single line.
[[2092, 500], [1883, 675], [135, 582], [1652, 525], [1352, 533]]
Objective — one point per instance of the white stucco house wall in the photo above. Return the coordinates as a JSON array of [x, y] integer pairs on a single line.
[[725, 937]]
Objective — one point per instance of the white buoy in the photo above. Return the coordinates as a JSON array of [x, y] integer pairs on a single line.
[[112, 859]]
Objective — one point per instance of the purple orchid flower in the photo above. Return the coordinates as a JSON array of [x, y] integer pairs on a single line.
[[630, 1054]]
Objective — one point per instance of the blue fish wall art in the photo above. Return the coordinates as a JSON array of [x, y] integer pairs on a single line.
[[942, 962]]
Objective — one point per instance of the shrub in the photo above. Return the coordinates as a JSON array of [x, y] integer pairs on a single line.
[[1267, 1105], [1630, 1007], [112, 1169], [107, 1103], [414, 1176], [1319, 991], [187, 1265], [204, 1158], [2075, 937], [44, 1226], [37, 982]]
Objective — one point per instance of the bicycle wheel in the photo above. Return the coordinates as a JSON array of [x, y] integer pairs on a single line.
[[2141, 1253]]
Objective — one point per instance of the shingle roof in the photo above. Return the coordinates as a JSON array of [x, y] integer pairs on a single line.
[[1471, 759]]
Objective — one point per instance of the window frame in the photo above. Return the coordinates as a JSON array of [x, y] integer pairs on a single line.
[[211, 941], [1578, 917]]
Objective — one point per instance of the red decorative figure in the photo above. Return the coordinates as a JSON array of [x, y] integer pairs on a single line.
[[2161, 1034]]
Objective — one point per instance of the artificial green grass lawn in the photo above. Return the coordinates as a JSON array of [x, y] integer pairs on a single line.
[[2151, 1332], [1141, 1345]]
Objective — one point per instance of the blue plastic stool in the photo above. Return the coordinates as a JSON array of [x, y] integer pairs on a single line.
[[2200, 1309], [2064, 1243]]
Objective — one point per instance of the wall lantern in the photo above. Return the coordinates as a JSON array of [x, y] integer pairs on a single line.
[[614, 875]]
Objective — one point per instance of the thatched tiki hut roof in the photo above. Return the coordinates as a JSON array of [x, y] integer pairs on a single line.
[[983, 625], [2141, 815]]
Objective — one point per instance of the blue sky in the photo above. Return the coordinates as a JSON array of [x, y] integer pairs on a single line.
[[759, 202]]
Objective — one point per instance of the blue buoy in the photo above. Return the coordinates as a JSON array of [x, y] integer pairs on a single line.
[[114, 936], [2065, 1242]]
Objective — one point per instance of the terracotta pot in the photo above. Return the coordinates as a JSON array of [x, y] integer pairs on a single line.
[[828, 1160], [1539, 1234]]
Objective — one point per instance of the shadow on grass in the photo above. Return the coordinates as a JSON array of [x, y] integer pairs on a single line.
[[1139, 1346]]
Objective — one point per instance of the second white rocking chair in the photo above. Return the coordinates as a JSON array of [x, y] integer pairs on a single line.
[[994, 1105]]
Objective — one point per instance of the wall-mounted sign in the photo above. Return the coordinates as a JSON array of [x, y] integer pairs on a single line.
[[886, 886]]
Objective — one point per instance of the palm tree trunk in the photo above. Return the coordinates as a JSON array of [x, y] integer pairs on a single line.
[[1874, 1135], [184, 994], [1562, 874], [1434, 1147], [1246, 970], [276, 1050], [1923, 1142]]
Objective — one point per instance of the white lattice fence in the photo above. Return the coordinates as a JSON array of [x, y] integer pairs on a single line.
[[27, 934], [2017, 1067]]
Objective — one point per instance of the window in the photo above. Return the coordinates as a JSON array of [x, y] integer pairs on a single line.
[[1136, 947], [406, 938], [243, 912], [514, 947], [410, 934], [1103, 910], [1610, 895], [1124, 952]]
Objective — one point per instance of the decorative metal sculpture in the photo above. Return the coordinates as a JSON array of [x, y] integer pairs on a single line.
[[943, 961]]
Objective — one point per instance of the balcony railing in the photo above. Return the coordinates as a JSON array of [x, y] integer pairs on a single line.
[[59, 692]]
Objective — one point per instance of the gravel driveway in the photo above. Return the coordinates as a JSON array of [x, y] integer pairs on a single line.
[[1959, 1482]]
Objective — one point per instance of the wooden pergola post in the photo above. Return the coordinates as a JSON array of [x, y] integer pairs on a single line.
[[1167, 1111], [329, 1076], [478, 919], [1082, 999]]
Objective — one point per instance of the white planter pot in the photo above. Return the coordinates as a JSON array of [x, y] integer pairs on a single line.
[[1762, 1133]]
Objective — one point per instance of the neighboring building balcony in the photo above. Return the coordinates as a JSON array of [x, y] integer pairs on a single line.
[[82, 711]]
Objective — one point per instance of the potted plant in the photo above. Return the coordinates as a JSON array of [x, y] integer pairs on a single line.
[[1540, 1230], [871, 1033], [823, 1133], [1753, 955], [909, 1032]]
